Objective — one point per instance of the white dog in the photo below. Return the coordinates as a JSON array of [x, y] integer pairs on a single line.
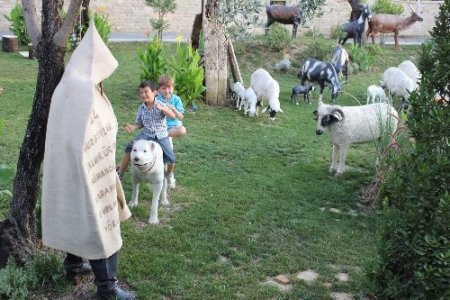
[[148, 166]]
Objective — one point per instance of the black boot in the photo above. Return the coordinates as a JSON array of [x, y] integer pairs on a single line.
[[75, 268], [105, 271]]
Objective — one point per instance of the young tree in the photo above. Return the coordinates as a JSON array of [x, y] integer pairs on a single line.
[[17, 232], [162, 7], [415, 254]]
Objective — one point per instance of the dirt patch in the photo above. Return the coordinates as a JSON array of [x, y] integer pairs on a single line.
[[308, 276], [341, 296]]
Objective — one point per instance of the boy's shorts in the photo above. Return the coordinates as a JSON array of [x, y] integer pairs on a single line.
[[168, 154]]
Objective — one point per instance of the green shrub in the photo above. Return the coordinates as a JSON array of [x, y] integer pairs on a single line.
[[336, 33], [48, 269], [18, 26], [153, 62], [16, 282], [415, 252], [364, 57], [278, 38], [387, 7], [320, 49], [187, 73], [103, 27]]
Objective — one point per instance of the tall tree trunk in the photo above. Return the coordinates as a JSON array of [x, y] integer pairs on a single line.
[[17, 232], [216, 55]]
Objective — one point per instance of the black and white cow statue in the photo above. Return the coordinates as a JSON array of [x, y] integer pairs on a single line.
[[323, 73], [304, 90]]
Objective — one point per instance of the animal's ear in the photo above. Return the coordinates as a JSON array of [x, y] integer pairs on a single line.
[[337, 114], [152, 146]]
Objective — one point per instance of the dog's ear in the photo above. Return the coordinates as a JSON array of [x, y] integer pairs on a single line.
[[152, 147]]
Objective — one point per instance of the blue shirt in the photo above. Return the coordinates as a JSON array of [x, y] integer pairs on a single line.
[[153, 120], [178, 104]]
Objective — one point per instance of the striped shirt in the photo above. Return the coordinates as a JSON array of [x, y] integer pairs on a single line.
[[153, 120]]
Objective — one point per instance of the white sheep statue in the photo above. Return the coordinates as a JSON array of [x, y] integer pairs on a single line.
[[250, 102], [375, 94], [397, 83], [410, 69], [266, 88], [351, 125], [239, 94]]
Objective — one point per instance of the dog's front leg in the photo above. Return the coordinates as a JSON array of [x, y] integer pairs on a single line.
[[134, 198], [157, 187], [164, 198]]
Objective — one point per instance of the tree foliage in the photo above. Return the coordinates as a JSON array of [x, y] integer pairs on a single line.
[[415, 252], [162, 7]]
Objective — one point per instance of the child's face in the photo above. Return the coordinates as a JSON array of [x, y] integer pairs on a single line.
[[166, 91], [147, 95]]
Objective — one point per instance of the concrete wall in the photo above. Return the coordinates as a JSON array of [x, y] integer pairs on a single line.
[[133, 16]]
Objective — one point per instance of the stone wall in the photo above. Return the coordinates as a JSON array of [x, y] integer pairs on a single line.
[[133, 16]]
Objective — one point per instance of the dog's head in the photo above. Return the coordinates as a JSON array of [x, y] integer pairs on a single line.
[[142, 153]]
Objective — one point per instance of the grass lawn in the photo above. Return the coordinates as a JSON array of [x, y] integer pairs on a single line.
[[254, 199]]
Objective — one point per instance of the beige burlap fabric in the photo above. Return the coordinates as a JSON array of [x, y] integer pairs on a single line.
[[82, 197]]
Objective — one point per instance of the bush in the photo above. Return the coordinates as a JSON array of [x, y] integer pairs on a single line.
[[187, 73], [337, 33], [153, 62], [18, 26], [415, 253], [278, 38], [15, 282], [387, 7], [364, 57], [320, 49], [103, 27]]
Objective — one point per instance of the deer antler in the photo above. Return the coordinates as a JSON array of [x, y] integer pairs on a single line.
[[409, 4]]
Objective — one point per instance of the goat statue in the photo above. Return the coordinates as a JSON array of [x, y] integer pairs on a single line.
[[387, 23], [284, 15], [355, 29]]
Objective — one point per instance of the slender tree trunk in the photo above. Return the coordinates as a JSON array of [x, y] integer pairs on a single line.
[[17, 232], [216, 55]]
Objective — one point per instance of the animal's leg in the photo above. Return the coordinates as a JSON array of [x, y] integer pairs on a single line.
[[322, 86], [157, 188], [163, 197], [334, 159], [397, 46], [342, 157], [294, 30], [266, 27], [134, 197]]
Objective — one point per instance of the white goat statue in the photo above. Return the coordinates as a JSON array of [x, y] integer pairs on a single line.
[[375, 94], [352, 125], [397, 83], [250, 102], [410, 69], [239, 94], [266, 88]]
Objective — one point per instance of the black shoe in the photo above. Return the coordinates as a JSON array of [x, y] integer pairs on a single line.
[[116, 294], [75, 273]]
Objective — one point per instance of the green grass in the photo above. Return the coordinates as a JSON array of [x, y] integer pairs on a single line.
[[253, 198]]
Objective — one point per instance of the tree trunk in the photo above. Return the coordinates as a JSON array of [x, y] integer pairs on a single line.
[[17, 232], [216, 55]]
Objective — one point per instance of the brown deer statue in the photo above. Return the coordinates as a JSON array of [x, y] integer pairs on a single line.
[[387, 23], [284, 15]]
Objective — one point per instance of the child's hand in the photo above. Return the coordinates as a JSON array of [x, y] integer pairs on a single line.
[[159, 106], [171, 107], [129, 128]]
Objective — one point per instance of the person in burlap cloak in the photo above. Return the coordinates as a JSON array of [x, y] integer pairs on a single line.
[[82, 198]]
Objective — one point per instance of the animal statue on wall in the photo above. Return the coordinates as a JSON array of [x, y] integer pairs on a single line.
[[355, 29], [284, 15], [387, 23]]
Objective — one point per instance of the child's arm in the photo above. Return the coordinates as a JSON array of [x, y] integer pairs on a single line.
[[166, 111], [130, 127], [179, 115]]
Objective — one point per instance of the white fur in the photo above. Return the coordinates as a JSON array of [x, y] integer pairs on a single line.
[[398, 83], [239, 91], [250, 101], [266, 88], [410, 69], [355, 124], [375, 94], [148, 167]]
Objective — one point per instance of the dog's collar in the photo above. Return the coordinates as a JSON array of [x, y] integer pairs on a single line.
[[152, 164]]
